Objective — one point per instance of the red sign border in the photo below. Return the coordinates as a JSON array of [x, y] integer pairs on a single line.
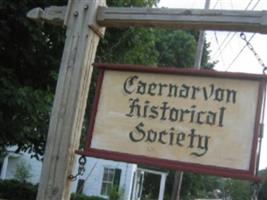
[[178, 165]]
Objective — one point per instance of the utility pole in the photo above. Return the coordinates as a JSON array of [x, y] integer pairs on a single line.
[[200, 44], [178, 176], [177, 184]]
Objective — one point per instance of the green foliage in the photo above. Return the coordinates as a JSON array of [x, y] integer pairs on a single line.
[[29, 57], [151, 186], [30, 54], [148, 46], [22, 173], [132, 3], [84, 197], [29, 63], [24, 116], [263, 189], [14, 190], [176, 48], [237, 190], [114, 193], [194, 186], [133, 46]]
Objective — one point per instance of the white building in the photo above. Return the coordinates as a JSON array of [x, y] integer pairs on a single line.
[[100, 175]]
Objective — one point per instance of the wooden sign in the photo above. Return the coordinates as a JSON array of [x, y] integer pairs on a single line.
[[193, 120]]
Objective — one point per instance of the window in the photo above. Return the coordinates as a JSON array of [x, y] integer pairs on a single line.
[[111, 177]]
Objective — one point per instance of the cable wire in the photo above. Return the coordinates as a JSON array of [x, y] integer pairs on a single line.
[[230, 65], [217, 42], [233, 34], [239, 53], [256, 4], [215, 4], [224, 45]]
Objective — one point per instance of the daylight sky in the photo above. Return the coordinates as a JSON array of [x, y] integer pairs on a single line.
[[226, 47]]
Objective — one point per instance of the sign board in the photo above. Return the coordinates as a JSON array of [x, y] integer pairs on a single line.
[[193, 120]]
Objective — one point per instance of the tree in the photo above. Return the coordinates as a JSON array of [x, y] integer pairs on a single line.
[[29, 60], [238, 190], [263, 188], [30, 57], [196, 186], [176, 48]]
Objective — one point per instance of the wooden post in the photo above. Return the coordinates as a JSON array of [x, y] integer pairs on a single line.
[[176, 188], [70, 99], [200, 44]]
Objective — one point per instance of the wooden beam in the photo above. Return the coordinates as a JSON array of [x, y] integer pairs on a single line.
[[70, 99], [52, 14], [226, 20]]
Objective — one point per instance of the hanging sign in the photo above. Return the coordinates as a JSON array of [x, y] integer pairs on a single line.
[[193, 120]]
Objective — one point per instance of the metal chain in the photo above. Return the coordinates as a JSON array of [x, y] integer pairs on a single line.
[[81, 169], [255, 187], [249, 45]]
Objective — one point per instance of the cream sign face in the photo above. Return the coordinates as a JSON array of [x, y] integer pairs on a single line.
[[189, 120]]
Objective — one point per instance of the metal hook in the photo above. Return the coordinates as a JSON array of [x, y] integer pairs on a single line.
[[81, 169], [243, 36], [249, 45], [82, 160]]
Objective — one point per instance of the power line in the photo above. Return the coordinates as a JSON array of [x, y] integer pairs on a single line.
[[217, 41], [220, 46], [232, 5], [230, 65], [219, 50], [224, 45], [249, 4], [256, 4], [215, 4], [228, 35]]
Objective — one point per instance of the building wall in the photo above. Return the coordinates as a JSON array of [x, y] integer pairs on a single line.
[[34, 166], [11, 170], [93, 176]]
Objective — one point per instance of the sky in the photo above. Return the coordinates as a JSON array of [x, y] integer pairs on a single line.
[[226, 47]]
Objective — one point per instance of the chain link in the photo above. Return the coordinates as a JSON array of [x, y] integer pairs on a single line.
[[249, 45], [255, 187], [81, 169]]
